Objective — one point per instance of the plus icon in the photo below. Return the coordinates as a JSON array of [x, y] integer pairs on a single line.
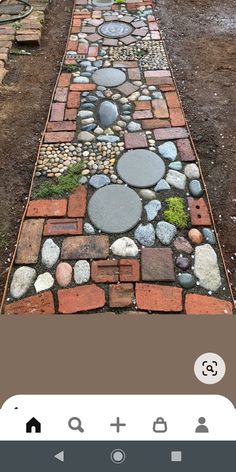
[[118, 424]]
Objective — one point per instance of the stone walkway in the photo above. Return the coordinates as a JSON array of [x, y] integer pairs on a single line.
[[135, 233]]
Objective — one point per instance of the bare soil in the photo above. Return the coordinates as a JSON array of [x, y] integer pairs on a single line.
[[200, 36], [24, 103]]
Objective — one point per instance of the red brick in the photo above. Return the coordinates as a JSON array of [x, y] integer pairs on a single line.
[[83, 298], [142, 114], [105, 271], [78, 202], [59, 137], [134, 74], [155, 123], [177, 117], [76, 22], [159, 81], [42, 208], [72, 46], [61, 126], [204, 305], [166, 88], [61, 94], [160, 108], [135, 140], [29, 243], [121, 295], [85, 247], [93, 51], [83, 48], [41, 304], [64, 79], [157, 264], [70, 62], [172, 100], [159, 298], [70, 114], [157, 73], [199, 212], [73, 100], [153, 26], [125, 64], [129, 270], [186, 151], [29, 38], [155, 35], [5, 44], [63, 226], [83, 87], [151, 18], [170, 133], [57, 112], [146, 105], [75, 29]]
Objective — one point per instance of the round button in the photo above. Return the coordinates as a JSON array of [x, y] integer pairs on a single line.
[[118, 456], [209, 368]]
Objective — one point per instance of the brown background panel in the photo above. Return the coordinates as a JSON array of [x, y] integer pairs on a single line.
[[107, 353]]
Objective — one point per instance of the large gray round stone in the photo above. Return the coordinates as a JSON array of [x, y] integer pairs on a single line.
[[109, 77], [115, 29], [141, 168], [115, 209], [107, 113]]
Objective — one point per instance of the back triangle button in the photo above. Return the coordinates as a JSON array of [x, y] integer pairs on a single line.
[[60, 456]]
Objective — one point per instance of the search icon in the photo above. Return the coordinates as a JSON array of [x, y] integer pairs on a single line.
[[75, 424]]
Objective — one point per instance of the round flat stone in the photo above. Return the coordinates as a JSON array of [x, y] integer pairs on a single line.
[[109, 77], [115, 209], [141, 168], [115, 29]]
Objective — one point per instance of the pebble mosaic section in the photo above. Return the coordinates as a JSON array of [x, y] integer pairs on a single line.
[[136, 234]]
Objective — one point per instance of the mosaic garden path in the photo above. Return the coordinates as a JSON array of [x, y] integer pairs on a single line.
[[135, 232]]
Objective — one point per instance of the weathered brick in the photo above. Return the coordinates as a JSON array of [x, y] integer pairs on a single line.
[[121, 295], [177, 117], [42, 208], [83, 87], [134, 74], [83, 48], [73, 100], [155, 123], [93, 51], [159, 81], [170, 133], [57, 112], [157, 73], [59, 137], [41, 304], [78, 299], [77, 202], [172, 100], [145, 105], [160, 109], [105, 271], [61, 94], [63, 226], [186, 151], [61, 126], [72, 45], [199, 212], [29, 243], [155, 35], [135, 140], [159, 298], [203, 305], [29, 38], [125, 64], [70, 114], [85, 247], [64, 79], [129, 270], [157, 264], [153, 26], [142, 114]]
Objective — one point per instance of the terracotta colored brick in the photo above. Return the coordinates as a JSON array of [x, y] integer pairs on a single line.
[[155, 35], [204, 305], [83, 48], [70, 62], [85, 247], [159, 298], [129, 270], [83, 298], [70, 114], [157, 264], [105, 271], [73, 100], [160, 109], [75, 29], [186, 151], [57, 112], [142, 114], [177, 117], [77, 202], [5, 44], [170, 133], [153, 26], [83, 87], [172, 100], [157, 73], [199, 212], [63, 226], [29, 38], [41, 304], [146, 105], [135, 140], [155, 123], [61, 126], [159, 81], [134, 74], [61, 94], [59, 137], [151, 18], [93, 51], [166, 88], [42, 208], [121, 295], [29, 243], [72, 46], [76, 22], [7, 37], [125, 64]]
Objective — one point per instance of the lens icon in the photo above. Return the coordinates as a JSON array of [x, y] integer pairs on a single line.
[[118, 456]]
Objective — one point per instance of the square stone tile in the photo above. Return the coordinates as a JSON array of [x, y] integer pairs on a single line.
[[128, 40], [135, 140], [127, 88], [110, 42], [157, 264], [140, 32]]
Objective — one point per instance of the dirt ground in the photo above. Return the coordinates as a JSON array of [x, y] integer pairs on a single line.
[[24, 103], [200, 37]]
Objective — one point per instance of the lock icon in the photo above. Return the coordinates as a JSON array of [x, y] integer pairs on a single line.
[[160, 425]]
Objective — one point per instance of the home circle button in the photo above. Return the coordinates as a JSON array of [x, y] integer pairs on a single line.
[[118, 456]]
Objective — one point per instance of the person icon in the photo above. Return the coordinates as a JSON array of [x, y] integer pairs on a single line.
[[201, 428]]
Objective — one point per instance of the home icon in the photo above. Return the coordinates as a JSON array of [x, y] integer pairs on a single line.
[[33, 425]]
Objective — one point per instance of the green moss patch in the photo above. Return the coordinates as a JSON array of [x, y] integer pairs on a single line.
[[61, 185], [175, 212]]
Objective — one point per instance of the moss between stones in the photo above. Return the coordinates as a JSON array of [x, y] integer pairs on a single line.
[[175, 212], [61, 185], [69, 68]]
